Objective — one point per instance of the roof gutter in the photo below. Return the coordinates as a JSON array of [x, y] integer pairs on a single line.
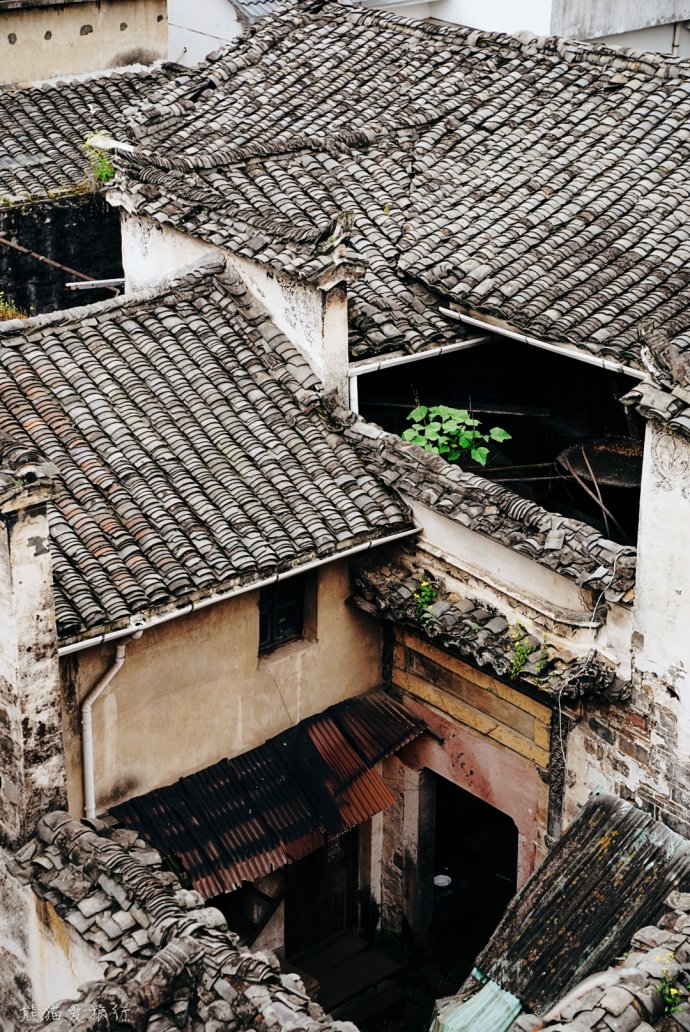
[[402, 358], [221, 596], [397, 358], [581, 356]]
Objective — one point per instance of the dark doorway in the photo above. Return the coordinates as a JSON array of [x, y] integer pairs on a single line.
[[476, 849], [321, 902]]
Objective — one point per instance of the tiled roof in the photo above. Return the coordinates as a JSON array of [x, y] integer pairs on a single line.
[[563, 545], [169, 962], [670, 408], [542, 181], [658, 953], [22, 468], [191, 446], [606, 884], [386, 584], [44, 127]]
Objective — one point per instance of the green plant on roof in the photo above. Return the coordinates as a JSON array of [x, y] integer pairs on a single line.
[[671, 995], [102, 167], [424, 596], [8, 310], [521, 651], [451, 432]]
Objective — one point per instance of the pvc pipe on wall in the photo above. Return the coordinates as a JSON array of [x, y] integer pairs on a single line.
[[87, 724]]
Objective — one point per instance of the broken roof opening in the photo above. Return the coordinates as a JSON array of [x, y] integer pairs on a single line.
[[574, 449]]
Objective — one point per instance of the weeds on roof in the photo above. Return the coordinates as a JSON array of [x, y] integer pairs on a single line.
[[8, 309], [102, 167]]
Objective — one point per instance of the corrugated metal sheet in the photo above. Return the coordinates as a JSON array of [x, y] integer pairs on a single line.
[[605, 878], [492, 1009], [241, 818]]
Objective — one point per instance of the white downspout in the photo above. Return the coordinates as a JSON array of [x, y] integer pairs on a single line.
[[87, 724]]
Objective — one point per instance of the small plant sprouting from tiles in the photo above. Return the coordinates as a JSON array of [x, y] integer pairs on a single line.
[[522, 650], [424, 596], [8, 310], [451, 432], [671, 995], [101, 166]]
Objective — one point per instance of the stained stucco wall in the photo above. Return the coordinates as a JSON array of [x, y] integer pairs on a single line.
[[195, 690], [578, 19], [39, 961], [585, 19], [197, 29], [46, 40]]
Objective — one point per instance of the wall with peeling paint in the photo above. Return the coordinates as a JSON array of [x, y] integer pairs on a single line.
[[75, 36], [195, 689], [314, 319], [41, 960]]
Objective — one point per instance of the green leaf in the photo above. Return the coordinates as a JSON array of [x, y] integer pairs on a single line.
[[418, 413], [453, 454], [472, 422], [431, 432], [497, 434], [409, 434], [465, 440], [480, 455], [450, 426], [431, 448]]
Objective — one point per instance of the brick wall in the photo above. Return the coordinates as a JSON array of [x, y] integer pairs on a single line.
[[633, 752]]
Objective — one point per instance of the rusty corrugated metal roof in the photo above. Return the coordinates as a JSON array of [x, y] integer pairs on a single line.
[[241, 818], [605, 878]]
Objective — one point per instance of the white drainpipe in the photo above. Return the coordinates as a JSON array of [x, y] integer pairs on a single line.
[[87, 724]]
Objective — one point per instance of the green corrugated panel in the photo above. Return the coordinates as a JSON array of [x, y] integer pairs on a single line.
[[492, 1009]]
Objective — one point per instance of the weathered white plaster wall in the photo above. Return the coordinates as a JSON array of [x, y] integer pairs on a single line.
[[315, 320], [661, 642], [195, 29], [658, 38], [153, 253], [407, 8], [38, 42], [32, 774], [37, 952], [585, 19], [497, 15], [510, 572], [578, 19]]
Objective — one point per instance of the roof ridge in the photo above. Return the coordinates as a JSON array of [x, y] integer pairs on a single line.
[[564, 47], [139, 71], [188, 278]]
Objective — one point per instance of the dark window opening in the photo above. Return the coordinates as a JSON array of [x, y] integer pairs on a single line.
[[574, 448], [281, 613], [82, 233]]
